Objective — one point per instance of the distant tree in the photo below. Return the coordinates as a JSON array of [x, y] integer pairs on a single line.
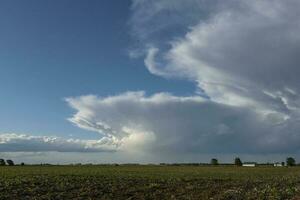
[[10, 162], [238, 162], [283, 163], [290, 161], [2, 162], [214, 161], [22, 164]]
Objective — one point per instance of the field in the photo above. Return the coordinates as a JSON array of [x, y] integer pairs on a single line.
[[148, 182]]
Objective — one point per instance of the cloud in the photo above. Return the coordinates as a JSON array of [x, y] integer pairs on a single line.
[[240, 52], [165, 124], [174, 17], [12, 142]]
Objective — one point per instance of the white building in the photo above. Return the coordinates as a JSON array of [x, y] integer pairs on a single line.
[[278, 164], [249, 164]]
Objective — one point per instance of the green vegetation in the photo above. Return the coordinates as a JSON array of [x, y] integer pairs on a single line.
[[2, 162], [10, 162], [148, 182], [214, 161], [238, 162], [290, 161]]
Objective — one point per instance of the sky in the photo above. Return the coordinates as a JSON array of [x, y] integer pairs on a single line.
[[149, 81]]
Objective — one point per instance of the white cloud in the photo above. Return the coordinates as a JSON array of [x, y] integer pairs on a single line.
[[242, 50], [170, 124], [243, 54], [11, 142], [151, 63]]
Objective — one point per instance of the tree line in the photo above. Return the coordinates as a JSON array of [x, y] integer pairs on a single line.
[[7, 162], [290, 161]]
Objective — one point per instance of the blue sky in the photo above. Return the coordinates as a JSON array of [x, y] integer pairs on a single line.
[[55, 49], [149, 80]]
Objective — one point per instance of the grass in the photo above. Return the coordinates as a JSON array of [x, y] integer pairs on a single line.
[[148, 182]]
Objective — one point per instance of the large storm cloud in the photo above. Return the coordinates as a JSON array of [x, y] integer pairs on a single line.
[[168, 124]]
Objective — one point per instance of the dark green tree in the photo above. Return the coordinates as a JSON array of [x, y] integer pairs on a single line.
[[2, 162], [214, 161], [290, 161], [238, 162], [10, 162]]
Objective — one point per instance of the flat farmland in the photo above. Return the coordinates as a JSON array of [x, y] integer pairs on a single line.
[[148, 182]]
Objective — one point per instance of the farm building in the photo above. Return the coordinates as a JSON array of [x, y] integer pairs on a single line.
[[249, 164]]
